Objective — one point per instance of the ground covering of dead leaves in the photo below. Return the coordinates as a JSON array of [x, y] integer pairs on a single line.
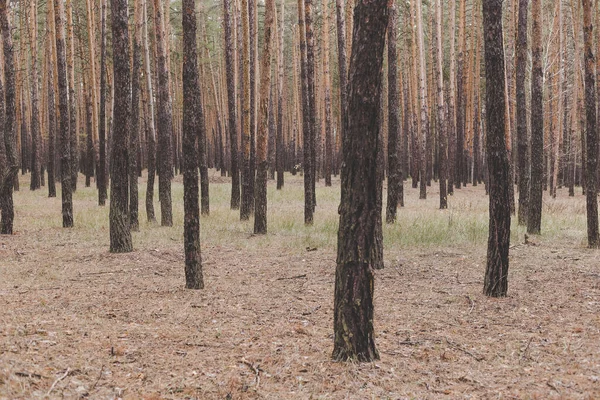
[[77, 321]]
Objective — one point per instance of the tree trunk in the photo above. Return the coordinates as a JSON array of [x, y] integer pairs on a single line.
[[64, 121], [460, 97], [342, 65], [247, 195], [522, 139], [441, 120], [165, 121], [353, 305], [424, 134], [394, 175], [260, 216], [280, 148], [135, 116], [591, 136], [312, 98], [70, 47], [101, 170], [191, 112], [36, 137], [51, 112], [327, 97], [534, 216], [496, 280], [451, 126], [231, 103], [150, 124], [11, 168]]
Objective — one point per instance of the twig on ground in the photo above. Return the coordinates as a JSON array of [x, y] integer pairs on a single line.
[[60, 378], [255, 369], [552, 386], [460, 348], [28, 375], [311, 311], [98, 380], [472, 303], [292, 277], [524, 353]]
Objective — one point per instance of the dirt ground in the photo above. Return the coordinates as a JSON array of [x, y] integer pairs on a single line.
[[77, 321]]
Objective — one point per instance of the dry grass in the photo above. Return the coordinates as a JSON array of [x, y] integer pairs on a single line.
[[78, 321]]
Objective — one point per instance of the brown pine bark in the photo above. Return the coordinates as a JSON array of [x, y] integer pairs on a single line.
[[101, 170], [70, 47], [441, 120], [522, 140], [279, 145], [460, 96], [534, 212], [342, 65], [353, 305], [312, 98], [150, 124], [165, 121], [136, 72], [231, 103], [394, 175], [36, 137], [120, 232], [9, 173], [451, 125], [191, 112], [64, 121], [247, 195], [51, 105], [424, 133], [260, 216], [496, 281], [591, 135]]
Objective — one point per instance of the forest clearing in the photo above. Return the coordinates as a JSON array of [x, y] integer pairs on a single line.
[[124, 326]]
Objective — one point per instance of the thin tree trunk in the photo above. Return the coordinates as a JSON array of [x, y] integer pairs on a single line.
[[231, 103], [353, 304], [191, 112], [136, 71], [394, 175], [260, 216], [247, 194], [101, 170], [312, 98], [591, 135], [35, 114], [327, 97], [342, 65], [537, 123], [280, 148], [70, 47], [496, 280], [51, 110], [424, 134], [451, 125], [151, 127], [522, 140], [64, 121], [120, 232], [441, 120], [165, 122]]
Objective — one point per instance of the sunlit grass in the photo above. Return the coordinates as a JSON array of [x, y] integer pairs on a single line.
[[419, 224]]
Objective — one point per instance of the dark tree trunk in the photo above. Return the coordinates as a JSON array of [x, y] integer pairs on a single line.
[[120, 232], [496, 279], [441, 115], [260, 216], [165, 121], [63, 104], [51, 117], [191, 113], [306, 120], [231, 103], [101, 169], [353, 306], [312, 98], [136, 73], [253, 31], [36, 138], [89, 149], [521, 109], [394, 118], [279, 146], [342, 65], [149, 125], [591, 135], [534, 214], [74, 151], [11, 166]]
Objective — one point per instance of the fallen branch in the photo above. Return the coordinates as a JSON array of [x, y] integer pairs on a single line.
[[292, 277], [97, 380], [60, 378], [472, 303], [255, 369], [28, 375]]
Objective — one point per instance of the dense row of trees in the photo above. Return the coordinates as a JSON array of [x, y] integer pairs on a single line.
[[400, 90]]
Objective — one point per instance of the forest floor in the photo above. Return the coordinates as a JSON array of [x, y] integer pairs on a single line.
[[77, 321]]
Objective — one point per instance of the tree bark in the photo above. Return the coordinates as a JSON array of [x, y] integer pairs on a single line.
[[424, 134], [591, 135], [150, 124], [280, 148], [101, 170], [534, 217], [165, 121], [136, 73], [260, 216], [394, 175], [522, 139], [353, 306], [231, 103], [35, 114], [51, 112], [441, 120], [191, 112], [120, 232], [64, 121], [247, 195], [496, 280]]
